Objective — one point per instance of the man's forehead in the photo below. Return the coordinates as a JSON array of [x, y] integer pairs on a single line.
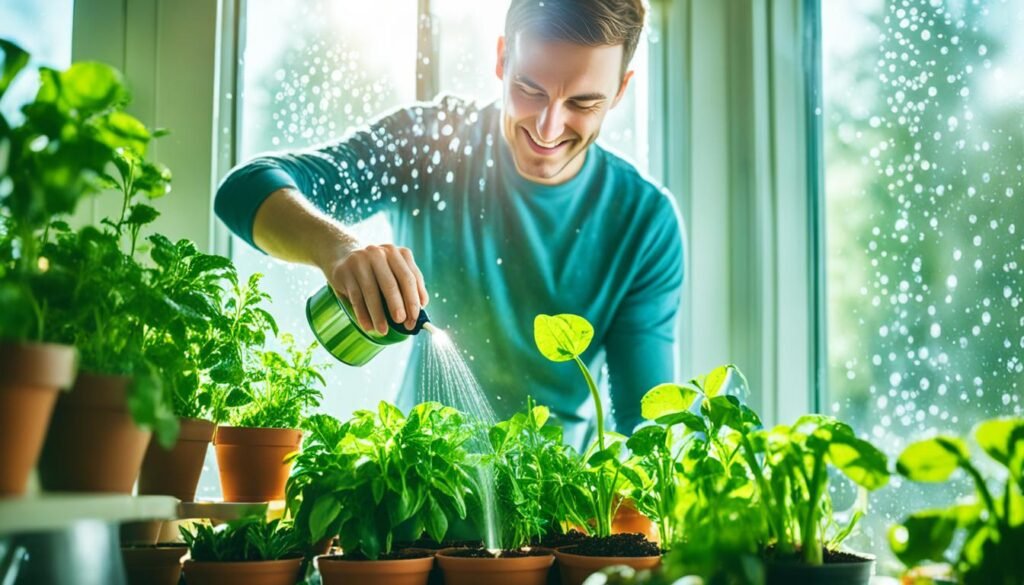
[[545, 61]]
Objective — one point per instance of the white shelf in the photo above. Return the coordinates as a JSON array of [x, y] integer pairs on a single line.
[[43, 512]]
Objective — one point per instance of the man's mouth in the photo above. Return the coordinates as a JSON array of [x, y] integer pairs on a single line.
[[543, 149]]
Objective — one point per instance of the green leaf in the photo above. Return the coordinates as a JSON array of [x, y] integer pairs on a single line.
[[437, 522], [999, 437], [325, 511], [15, 59], [922, 536], [714, 382], [142, 215], [724, 411], [561, 338], [92, 87], [932, 460], [605, 455], [644, 441], [859, 460], [665, 399]]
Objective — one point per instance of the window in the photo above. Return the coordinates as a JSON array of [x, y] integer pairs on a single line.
[[924, 206], [311, 70], [44, 30]]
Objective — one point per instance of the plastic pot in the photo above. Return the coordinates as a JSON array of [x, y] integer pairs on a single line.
[[251, 462], [846, 573], [93, 444], [175, 471], [31, 374], [497, 571], [576, 568], [336, 570]]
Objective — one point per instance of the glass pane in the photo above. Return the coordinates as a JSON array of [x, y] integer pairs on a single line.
[[44, 30], [923, 119]]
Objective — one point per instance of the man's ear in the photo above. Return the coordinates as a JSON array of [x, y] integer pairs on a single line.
[[499, 67], [622, 87]]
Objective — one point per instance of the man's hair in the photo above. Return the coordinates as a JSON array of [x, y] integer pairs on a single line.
[[593, 23]]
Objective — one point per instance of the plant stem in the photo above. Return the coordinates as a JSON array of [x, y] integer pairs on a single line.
[[597, 400], [986, 495], [809, 532]]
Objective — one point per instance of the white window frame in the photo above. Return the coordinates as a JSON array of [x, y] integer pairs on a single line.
[[736, 148]]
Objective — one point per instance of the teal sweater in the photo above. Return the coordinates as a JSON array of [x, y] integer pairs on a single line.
[[497, 249]]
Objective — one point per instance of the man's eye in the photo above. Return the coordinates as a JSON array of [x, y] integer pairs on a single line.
[[587, 106], [529, 92]]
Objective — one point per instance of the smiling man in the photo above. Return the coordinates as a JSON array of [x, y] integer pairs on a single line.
[[511, 210]]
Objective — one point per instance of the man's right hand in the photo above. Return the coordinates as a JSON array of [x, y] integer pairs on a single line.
[[373, 276]]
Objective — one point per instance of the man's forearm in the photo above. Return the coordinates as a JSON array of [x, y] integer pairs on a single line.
[[289, 227]]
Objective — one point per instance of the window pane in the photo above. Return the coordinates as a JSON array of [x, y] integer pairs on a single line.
[[44, 30], [923, 119]]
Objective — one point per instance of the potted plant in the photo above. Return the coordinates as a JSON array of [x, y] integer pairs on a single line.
[[563, 338], [100, 300], [982, 538], [191, 285], [265, 411], [378, 478], [158, 564], [36, 184], [250, 551]]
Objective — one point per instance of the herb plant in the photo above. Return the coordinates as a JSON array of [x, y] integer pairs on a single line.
[[991, 525], [563, 338], [538, 479], [281, 389], [245, 540], [380, 472]]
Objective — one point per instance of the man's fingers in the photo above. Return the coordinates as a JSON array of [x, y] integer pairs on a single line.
[[421, 286], [371, 296], [389, 287], [355, 297], [406, 279]]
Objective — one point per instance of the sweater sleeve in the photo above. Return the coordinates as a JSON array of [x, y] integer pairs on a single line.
[[369, 170], [640, 343]]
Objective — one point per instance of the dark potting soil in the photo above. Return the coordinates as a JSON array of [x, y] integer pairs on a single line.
[[829, 557], [616, 545], [395, 555], [430, 544], [483, 553], [555, 540]]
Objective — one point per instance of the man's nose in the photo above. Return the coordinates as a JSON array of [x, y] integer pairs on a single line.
[[551, 123]]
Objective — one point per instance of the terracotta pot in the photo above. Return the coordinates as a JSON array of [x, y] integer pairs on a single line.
[[576, 568], [175, 472], [500, 571], [852, 573], [629, 521], [284, 572], [335, 570], [30, 376], [141, 533], [153, 565], [251, 462], [93, 444]]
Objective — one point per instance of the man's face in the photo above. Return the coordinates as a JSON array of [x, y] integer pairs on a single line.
[[556, 95]]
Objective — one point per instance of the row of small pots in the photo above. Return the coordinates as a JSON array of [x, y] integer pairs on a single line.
[[84, 440], [163, 565]]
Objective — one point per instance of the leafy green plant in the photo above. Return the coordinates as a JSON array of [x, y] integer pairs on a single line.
[[245, 540], [992, 525], [563, 338], [378, 473], [695, 484], [538, 479], [795, 493], [281, 389], [73, 129]]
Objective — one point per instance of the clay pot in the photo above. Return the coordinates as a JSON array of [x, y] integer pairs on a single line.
[[93, 444], [629, 521], [140, 533], [153, 565], [847, 573], [30, 376], [251, 462], [576, 568], [499, 571], [283, 572], [175, 472], [335, 570]]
